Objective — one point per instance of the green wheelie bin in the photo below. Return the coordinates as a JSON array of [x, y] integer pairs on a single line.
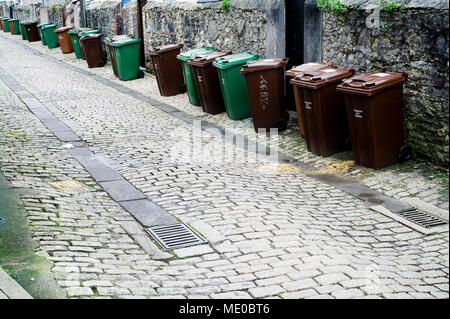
[[23, 30], [14, 26], [50, 35], [6, 25], [83, 33], [125, 54], [188, 73], [107, 41], [234, 85], [74, 37], [44, 41]]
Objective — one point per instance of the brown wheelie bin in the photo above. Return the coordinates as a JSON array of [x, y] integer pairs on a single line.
[[93, 50], [374, 104], [168, 69], [32, 31], [323, 110], [266, 86], [1, 24], [292, 73], [207, 81], [64, 39]]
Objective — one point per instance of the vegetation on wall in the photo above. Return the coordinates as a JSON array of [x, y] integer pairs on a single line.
[[333, 6]]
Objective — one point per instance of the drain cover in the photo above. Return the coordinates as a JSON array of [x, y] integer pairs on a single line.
[[175, 236], [70, 186], [421, 218], [416, 219]]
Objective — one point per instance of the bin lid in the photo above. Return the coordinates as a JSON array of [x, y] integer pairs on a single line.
[[265, 64], [49, 26], [372, 83], [43, 24], [207, 58], [30, 22], [77, 30], [26, 22], [319, 78], [165, 48], [307, 67], [82, 33], [185, 56], [233, 60], [112, 38], [13, 20], [91, 36], [125, 41], [63, 29]]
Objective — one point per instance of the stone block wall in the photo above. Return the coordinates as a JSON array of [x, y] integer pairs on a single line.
[[252, 25], [414, 40], [105, 15]]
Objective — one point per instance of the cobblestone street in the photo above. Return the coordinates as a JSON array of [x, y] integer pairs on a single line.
[[272, 231]]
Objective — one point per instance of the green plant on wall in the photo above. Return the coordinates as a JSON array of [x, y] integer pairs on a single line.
[[226, 6], [333, 6], [55, 7], [390, 6]]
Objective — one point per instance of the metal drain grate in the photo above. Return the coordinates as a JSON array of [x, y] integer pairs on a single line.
[[175, 236], [421, 218]]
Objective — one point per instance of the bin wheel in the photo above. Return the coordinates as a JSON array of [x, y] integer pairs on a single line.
[[404, 154], [287, 116], [281, 124], [101, 63], [57, 45], [348, 144], [183, 88], [140, 74]]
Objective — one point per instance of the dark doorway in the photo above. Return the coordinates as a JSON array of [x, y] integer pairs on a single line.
[[140, 27], [294, 41]]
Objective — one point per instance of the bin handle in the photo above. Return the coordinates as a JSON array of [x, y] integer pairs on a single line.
[[355, 83]]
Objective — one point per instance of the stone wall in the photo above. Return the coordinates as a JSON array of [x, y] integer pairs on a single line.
[[415, 40], [251, 25], [105, 15]]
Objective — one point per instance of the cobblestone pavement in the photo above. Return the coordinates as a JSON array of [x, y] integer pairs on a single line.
[[272, 234]]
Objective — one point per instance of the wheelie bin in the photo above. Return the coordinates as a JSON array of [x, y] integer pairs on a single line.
[[125, 54], [6, 25], [188, 73], [168, 69], [23, 30], [234, 86], [14, 26], [106, 42], [50, 35], [82, 34], [323, 110], [93, 50], [374, 104], [32, 31], [1, 23], [74, 38], [65, 42], [266, 84], [43, 39], [292, 73], [207, 81]]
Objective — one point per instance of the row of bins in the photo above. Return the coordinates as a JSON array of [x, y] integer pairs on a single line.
[[336, 110], [87, 44]]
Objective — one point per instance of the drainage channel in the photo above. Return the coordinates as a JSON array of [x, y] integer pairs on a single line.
[[368, 196]]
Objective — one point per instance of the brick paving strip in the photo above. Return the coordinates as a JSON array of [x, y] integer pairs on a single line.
[[289, 237], [106, 174], [10, 289]]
